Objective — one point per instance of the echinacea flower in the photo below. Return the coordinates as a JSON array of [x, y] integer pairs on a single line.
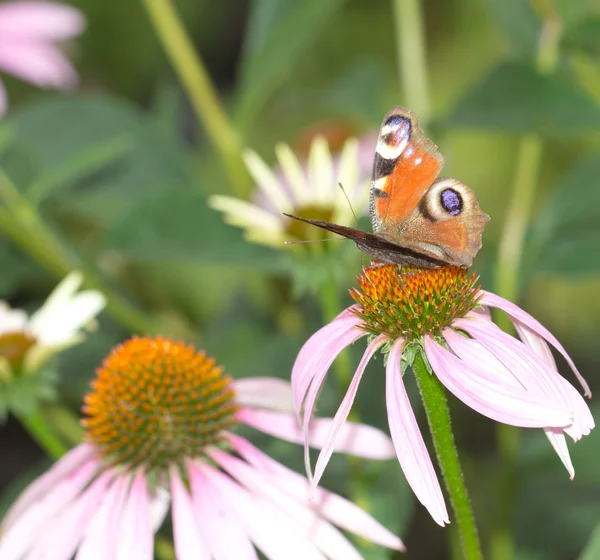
[[29, 31], [159, 425], [311, 191], [445, 315], [27, 343]]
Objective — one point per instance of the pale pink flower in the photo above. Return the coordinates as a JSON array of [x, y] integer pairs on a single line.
[[29, 31], [443, 313], [160, 430]]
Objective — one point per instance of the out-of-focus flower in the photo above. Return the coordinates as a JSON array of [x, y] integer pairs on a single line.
[[26, 343], [445, 315], [311, 191], [159, 426], [29, 31]]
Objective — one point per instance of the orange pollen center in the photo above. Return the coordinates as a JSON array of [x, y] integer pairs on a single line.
[[415, 301], [156, 402]]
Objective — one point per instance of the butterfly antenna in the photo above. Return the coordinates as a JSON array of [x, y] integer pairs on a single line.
[[349, 203]]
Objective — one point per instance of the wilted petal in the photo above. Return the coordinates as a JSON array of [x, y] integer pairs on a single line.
[[557, 439], [343, 411], [408, 441], [517, 314], [492, 396], [360, 440], [39, 21], [337, 509], [264, 392], [189, 544]]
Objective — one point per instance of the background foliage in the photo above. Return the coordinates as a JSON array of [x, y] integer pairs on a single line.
[[120, 171]]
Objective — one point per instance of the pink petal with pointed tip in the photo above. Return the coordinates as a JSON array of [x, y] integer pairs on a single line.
[[189, 544], [319, 351], [533, 373], [225, 536], [106, 521], [272, 532], [360, 440], [135, 539], [343, 411], [18, 538], [337, 509], [264, 392], [478, 388], [408, 441], [517, 314], [45, 483], [39, 64], [39, 21], [319, 531], [557, 439]]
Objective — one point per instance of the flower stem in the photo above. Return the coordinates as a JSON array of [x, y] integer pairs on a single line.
[[438, 417], [26, 227], [38, 427], [410, 47], [202, 94], [510, 253]]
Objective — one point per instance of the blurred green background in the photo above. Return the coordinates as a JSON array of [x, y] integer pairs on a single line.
[[120, 170]]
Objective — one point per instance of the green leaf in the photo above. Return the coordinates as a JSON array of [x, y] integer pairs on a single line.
[[515, 98], [280, 31], [519, 23], [177, 225], [592, 549], [566, 233]]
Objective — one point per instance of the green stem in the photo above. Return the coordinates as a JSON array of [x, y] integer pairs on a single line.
[[38, 427], [202, 94], [65, 423], [28, 230], [410, 47], [510, 253], [438, 417]]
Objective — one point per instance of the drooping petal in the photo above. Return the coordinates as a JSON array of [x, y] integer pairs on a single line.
[[343, 411], [320, 350], [189, 544], [492, 396], [36, 20], [517, 314], [273, 533], [264, 392], [267, 182], [360, 440], [40, 487], [337, 509], [135, 539], [18, 538], [224, 535], [315, 528], [408, 441], [557, 439]]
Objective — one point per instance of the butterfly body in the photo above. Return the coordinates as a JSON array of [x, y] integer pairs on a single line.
[[417, 218]]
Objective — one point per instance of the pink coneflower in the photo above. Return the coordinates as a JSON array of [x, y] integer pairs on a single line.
[[159, 426], [442, 313], [28, 33]]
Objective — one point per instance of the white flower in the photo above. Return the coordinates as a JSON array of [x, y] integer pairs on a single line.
[[295, 189], [52, 328]]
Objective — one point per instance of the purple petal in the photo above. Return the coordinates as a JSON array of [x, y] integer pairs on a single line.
[[316, 529], [337, 509], [355, 439], [40, 21], [264, 392], [410, 447], [557, 439], [343, 411], [491, 396], [39, 64], [517, 314], [189, 544], [319, 351]]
